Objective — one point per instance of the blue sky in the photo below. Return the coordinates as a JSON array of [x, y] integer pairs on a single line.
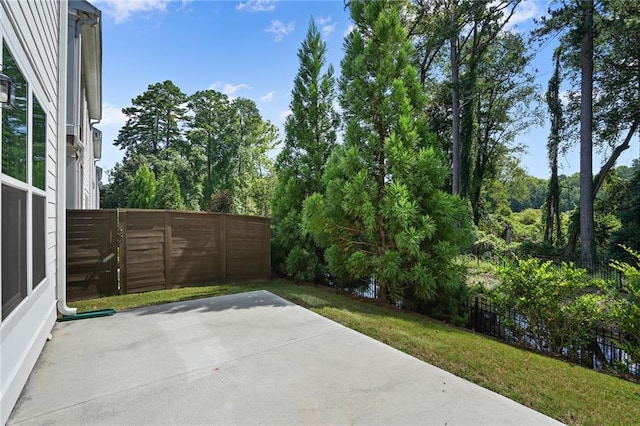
[[246, 49]]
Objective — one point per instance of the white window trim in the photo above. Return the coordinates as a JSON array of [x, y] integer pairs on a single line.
[[17, 51]]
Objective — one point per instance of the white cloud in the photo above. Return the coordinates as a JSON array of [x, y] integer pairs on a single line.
[[257, 5], [349, 29], [268, 97], [525, 11], [279, 29], [121, 10], [112, 116], [284, 114], [227, 88], [326, 27]]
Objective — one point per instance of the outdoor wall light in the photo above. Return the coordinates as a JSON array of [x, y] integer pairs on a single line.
[[7, 95]]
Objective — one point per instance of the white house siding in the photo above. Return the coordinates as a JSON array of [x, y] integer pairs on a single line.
[[30, 29], [81, 167]]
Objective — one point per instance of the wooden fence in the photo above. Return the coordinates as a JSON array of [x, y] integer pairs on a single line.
[[92, 244], [161, 249]]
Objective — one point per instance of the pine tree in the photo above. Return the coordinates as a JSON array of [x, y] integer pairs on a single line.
[[384, 215], [310, 136], [153, 121], [143, 189], [168, 196]]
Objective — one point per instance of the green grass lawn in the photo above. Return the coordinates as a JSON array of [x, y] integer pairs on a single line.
[[569, 393]]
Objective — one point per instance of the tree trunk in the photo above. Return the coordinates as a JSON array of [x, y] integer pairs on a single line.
[[455, 107], [552, 206], [599, 180], [586, 145]]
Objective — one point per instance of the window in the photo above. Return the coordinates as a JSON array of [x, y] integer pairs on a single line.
[[38, 238], [14, 123], [23, 223], [39, 145], [14, 249], [38, 180]]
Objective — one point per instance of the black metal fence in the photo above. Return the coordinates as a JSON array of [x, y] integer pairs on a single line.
[[601, 351], [597, 269]]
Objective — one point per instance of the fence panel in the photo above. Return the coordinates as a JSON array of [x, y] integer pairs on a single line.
[[197, 248], [248, 248], [601, 352], [92, 242], [142, 253], [170, 249], [158, 249]]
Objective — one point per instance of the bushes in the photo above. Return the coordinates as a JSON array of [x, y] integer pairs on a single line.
[[559, 306], [626, 304]]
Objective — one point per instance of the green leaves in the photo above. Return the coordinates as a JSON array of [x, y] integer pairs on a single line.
[[560, 305], [219, 147], [154, 121], [626, 309], [383, 216], [310, 136], [143, 190]]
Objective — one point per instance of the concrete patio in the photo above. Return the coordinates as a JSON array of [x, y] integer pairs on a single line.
[[252, 358]]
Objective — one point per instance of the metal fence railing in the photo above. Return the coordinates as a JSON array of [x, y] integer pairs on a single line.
[[602, 351]]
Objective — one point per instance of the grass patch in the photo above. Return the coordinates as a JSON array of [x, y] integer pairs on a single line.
[[571, 394]]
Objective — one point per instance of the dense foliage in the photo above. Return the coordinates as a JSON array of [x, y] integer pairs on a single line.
[[432, 95], [196, 147], [557, 306], [310, 135], [384, 216]]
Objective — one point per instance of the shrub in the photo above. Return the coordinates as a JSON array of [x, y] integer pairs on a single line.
[[558, 310], [626, 307]]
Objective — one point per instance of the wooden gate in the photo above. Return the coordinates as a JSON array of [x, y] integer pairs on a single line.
[[92, 260]]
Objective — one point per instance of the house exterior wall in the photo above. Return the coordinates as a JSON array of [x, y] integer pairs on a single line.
[[30, 30], [81, 167]]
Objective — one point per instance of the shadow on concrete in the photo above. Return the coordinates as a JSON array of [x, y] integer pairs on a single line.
[[254, 299]]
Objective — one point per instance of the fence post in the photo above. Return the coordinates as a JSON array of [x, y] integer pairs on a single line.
[[223, 245], [122, 215], [476, 314], [168, 237], [267, 248], [113, 246]]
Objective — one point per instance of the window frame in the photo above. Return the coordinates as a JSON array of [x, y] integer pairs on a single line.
[[34, 93]]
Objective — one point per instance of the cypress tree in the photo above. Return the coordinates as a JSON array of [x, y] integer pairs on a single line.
[[143, 189], [310, 136], [383, 215]]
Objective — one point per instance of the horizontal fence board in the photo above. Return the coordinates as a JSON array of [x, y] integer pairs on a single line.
[[165, 249], [91, 248]]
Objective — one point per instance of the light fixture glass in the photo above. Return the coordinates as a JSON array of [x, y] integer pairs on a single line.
[[6, 90]]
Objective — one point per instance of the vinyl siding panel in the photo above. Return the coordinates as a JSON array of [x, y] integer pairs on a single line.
[[30, 30]]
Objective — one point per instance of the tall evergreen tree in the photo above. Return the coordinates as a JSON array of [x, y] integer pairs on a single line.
[[601, 48], [153, 121], [143, 189], [212, 133], [384, 215], [310, 136], [255, 137], [168, 196]]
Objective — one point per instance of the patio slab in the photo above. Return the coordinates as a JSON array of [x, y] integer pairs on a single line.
[[252, 358]]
